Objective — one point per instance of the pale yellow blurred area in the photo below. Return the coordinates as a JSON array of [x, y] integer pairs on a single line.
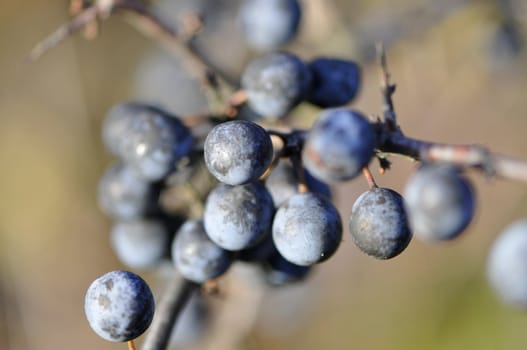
[[450, 88]]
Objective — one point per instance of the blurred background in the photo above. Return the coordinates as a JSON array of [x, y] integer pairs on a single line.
[[461, 73]]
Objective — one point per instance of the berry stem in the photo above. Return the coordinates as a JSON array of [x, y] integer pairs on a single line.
[[131, 345], [172, 302], [369, 177]]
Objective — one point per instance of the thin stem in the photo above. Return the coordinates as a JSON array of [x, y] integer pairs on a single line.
[[369, 177], [172, 302], [131, 345]]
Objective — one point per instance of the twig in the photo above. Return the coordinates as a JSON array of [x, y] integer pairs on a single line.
[[146, 23], [387, 90], [471, 156], [172, 302]]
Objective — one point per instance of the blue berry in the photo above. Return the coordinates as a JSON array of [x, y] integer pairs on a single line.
[[260, 252], [282, 183], [507, 265], [440, 202], [275, 84], [119, 306], [123, 195], [280, 271], [238, 152], [378, 223], [307, 229], [140, 243], [196, 257], [335, 82], [339, 145], [269, 24], [238, 217], [148, 138]]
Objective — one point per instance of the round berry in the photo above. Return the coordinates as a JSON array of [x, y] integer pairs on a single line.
[[196, 257], [339, 145], [280, 271], [307, 229], [119, 306], [378, 223], [238, 217], [335, 82], [268, 24], [283, 181], [507, 265], [148, 138], [124, 195], [275, 84], [140, 243], [238, 152], [440, 202]]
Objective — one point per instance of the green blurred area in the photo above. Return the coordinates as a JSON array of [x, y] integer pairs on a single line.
[[456, 82]]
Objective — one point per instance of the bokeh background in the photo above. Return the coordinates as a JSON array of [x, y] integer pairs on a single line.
[[461, 70]]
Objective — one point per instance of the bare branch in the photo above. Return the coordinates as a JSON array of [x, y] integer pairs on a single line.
[[468, 156]]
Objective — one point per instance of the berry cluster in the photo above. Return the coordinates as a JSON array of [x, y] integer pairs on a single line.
[[266, 197]]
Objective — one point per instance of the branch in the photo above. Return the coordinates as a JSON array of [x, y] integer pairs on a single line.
[[149, 25], [468, 156], [171, 304]]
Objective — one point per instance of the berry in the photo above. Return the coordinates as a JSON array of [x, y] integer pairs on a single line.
[[335, 82], [196, 257], [140, 243], [378, 223], [440, 202], [123, 195], [238, 152], [279, 271], [275, 84], [282, 183], [149, 139], [507, 265], [119, 306], [260, 252], [339, 145], [307, 229], [238, 217], [268, 24]]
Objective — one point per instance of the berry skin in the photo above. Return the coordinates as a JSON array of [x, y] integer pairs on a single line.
[[269, 24], [307, 229], [238, 217], [147, 138], [140, 243], [378, 223], [282, 183], [196, 257], [119, 306], [339, 145], [238, 152], [507, 265], [123, 195], [335, 82], [275, 84], [440, 203]]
